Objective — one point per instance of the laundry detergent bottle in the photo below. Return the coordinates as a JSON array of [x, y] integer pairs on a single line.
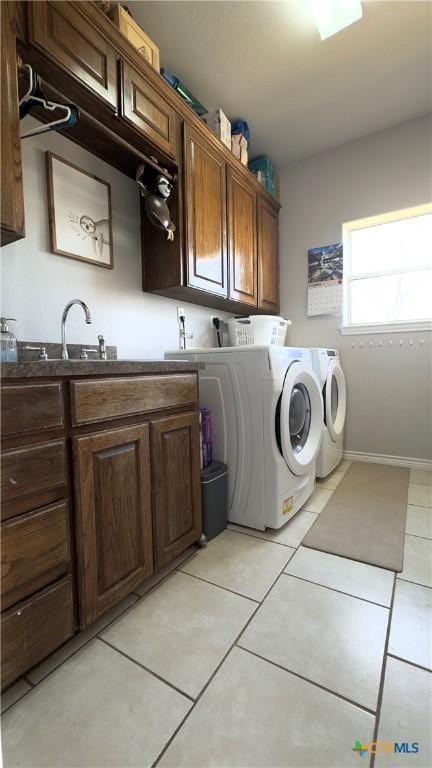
[[8, 348]]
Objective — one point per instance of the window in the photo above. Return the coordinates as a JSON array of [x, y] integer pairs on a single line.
[[388, 272]]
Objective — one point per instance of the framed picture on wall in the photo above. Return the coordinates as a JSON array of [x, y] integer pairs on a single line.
[[80, 216]]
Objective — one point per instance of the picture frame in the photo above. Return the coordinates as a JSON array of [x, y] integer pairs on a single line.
[[79, 213]]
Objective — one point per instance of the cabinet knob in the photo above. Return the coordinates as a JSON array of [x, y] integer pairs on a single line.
[[13, 481]]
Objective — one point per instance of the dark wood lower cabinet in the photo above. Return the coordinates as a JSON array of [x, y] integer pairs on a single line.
[[175, 485], [34, 628], [113, 513], [102, 490], [35, 551]]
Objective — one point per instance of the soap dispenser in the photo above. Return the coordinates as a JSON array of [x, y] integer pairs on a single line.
[[8, 348]]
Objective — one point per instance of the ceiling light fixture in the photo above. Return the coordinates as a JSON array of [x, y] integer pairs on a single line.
[[333, 15]]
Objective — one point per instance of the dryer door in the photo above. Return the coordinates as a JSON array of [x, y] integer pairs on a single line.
[[335, 400], [301, 417]]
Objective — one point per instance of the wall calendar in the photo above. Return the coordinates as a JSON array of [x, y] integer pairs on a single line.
[[325, 271]]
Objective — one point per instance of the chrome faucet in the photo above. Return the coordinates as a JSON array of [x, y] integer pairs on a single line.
[[102, 348], [88, 320]]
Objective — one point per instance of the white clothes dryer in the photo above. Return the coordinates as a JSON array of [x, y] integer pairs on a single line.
[[327, 366], [267, 415]]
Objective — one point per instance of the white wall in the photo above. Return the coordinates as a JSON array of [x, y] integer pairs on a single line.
[[37, 284], [389, 388]]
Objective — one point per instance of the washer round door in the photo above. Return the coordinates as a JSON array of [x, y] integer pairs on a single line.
[[301, 418], [335, 400]]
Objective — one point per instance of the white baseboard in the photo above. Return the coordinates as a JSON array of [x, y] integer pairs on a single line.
[[382, 458]]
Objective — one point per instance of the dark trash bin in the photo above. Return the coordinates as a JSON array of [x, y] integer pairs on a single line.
[[214, 491]]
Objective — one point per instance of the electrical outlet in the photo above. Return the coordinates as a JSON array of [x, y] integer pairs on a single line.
[[180, 313]]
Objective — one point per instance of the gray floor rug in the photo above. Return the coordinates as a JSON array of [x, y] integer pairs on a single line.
[[365, 517]]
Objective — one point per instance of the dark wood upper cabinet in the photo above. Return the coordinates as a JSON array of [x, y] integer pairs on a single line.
[[268, 257], [65, 36], [127, 115], [242, 239], [205, 205], [143, 108], [12, 194], [114, 536], [176, 485]]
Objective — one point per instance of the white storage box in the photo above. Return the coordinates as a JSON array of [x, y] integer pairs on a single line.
[[261, 330], [239, 148], [218, 122]]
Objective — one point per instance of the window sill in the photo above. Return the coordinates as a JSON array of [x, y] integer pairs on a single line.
[[357, 330]]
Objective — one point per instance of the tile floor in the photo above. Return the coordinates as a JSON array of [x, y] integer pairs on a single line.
[[253, 652]]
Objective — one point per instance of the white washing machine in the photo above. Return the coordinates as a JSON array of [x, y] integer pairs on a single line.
[[267, 415], [327, 366]]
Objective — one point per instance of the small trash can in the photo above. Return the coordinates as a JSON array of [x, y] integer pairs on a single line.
[[214, 491]]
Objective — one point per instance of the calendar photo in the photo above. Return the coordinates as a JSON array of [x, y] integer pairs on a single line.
[[325, 263], [325, 272]]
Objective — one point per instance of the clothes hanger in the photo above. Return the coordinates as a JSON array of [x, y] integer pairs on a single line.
[[34, 98]]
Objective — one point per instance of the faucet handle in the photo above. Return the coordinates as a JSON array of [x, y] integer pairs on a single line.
[[84, 353], [42, 351]]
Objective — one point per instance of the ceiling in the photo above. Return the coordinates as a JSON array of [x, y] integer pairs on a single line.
[[264, 62]]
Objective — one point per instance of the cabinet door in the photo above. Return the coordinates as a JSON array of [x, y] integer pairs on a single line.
[[268, 257], [176, 485], [242, 237], [146, 111], [114, 536], [205, 195], [67, 38], [12, 196]]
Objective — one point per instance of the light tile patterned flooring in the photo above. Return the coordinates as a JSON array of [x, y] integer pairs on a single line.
[[253, 652]]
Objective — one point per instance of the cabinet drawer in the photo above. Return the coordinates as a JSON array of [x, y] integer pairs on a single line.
[[99, 400], [67, 38], [34, 551], [26, 471], [31, 408], [34, 628], [146, 111]]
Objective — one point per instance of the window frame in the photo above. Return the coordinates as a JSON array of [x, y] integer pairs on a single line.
[[391, 326]]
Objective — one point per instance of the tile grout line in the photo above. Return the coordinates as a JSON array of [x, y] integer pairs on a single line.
[[77, 650], [215, 671], [6, 709], [145, 669], [213, 584], [261, 538], [270, 541], [423, 506], [417, 536], [411, 663], [113, 621], [383, 672], [309, 680], [283, 573], [416, 583], [339, 591], [164, 578], [235, 643], [93, 637]]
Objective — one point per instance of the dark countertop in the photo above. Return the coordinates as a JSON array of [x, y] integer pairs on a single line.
[[68, 368]]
